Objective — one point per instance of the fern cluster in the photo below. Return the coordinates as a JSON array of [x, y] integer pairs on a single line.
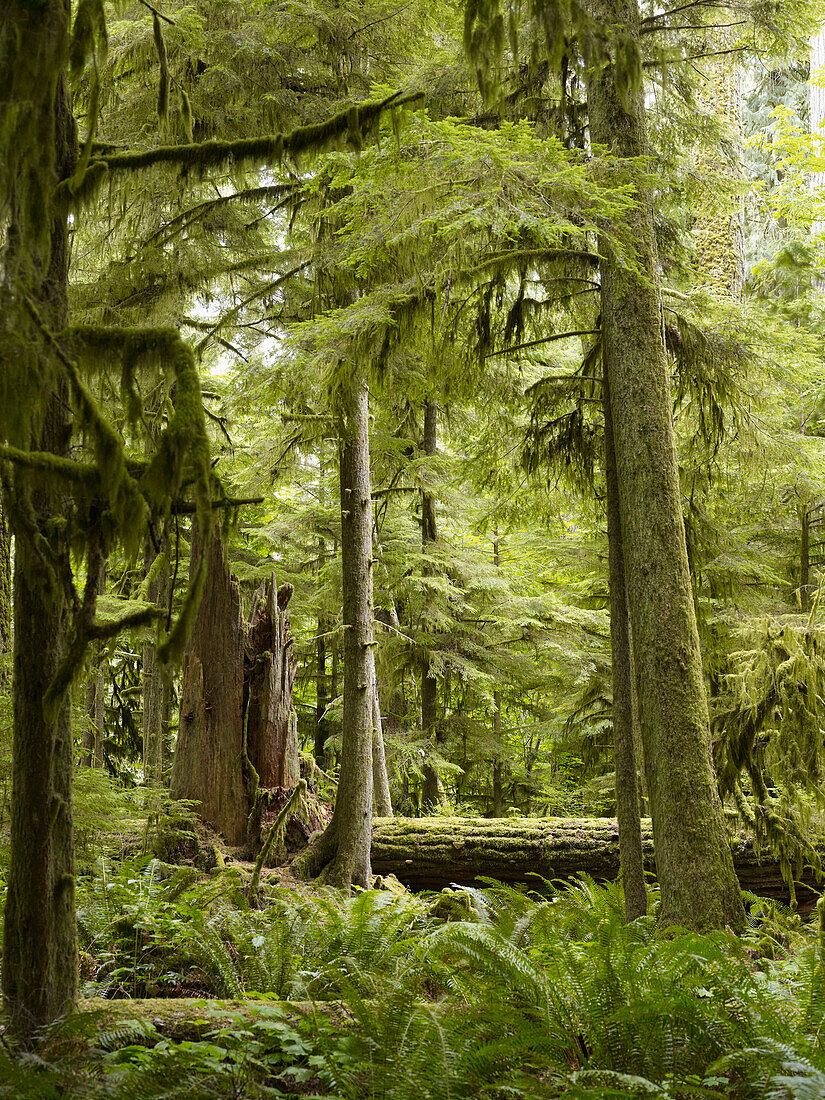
[[513, 995]]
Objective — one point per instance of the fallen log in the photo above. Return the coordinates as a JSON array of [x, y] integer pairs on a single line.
[[430, 853]]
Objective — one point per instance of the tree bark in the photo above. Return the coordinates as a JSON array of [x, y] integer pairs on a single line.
[[40, 946], [322, 699], [209, 757], [270, 665], [95, 701], [5, 593], [343, 850], [156, 689], [699, 888], [381, 798], [624, 751], [498, 789], [431, 853], [432, 791]]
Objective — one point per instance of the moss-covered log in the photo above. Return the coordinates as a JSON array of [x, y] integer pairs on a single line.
[[430, 853]]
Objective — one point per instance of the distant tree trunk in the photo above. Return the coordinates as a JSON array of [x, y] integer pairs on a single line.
[[498, 790], [95, 701], [322, 699], [270, 665], [156, 686], [432, 791], [209, 757], [624, 752], [805, 558], [40, 945], [381, 798], [5, 593], [699, 888], [817, 105], [343, 850]]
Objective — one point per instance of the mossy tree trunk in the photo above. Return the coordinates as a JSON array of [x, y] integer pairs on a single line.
[[381, 797], [40, 944], [699, 888], [209, 757], [624, 750], [498, 766], [5, 591], [342, 852]]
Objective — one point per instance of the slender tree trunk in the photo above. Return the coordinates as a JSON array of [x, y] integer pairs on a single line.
[[156, 687], [381, 798], [817, 105], [498, 787], [624, 752], [5, 594], [209, 757], [432, 792], [343, 850], [40, 945], [95, 701], [805, 558], [699, 888], [321, 695]]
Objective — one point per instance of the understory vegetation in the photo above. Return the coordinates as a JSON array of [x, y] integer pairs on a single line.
[[487, 993]]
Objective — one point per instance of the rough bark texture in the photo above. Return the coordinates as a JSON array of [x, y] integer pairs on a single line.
[[270, 665], [431, 853], [209, 756], [343, 850], [699, 888], [624, 751], [40, 946], [156, 692]]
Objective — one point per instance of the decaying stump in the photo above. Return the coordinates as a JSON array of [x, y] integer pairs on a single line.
[[208, 763], [269, 673], [236, 674]]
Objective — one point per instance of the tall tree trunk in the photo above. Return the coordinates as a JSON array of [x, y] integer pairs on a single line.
[[817, 105], [156, 686], [343, 850], [432, 792], [209, 757], [624, 752], [805, 558], [40, 947], [699, 888]]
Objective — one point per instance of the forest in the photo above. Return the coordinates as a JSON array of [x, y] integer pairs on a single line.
[[412, 549]]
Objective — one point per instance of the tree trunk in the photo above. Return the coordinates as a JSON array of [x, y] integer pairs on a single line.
[[5, 595], [432, 791], [156, 688], [817, 105], [498, 789], [381, 798], [270, 665], [209, 756], [95, 701], [322, 699], [805, 558], [343, 850], [40, 947], [624, 751], [431, 853], [699, 888]]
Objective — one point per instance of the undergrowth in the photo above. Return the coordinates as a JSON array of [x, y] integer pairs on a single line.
[[378, 996]]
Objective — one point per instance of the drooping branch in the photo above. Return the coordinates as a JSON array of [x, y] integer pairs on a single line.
[[198, 157]]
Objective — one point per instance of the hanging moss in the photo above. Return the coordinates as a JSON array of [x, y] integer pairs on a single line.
[[350, 125]]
